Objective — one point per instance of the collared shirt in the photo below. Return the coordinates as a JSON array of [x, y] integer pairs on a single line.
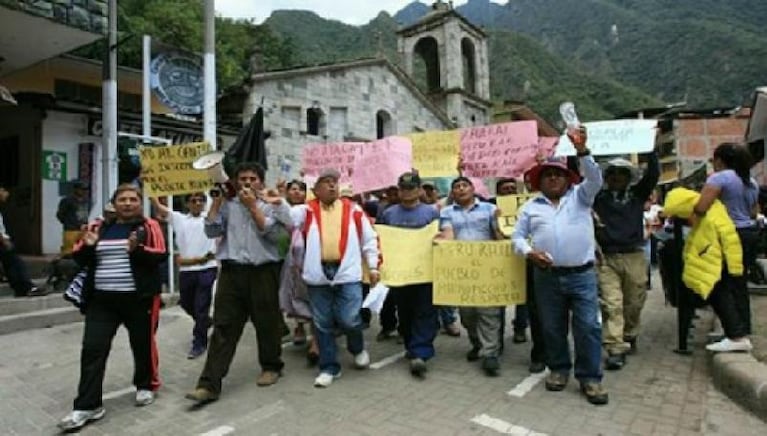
[[191, 239], [476, 223], [331, 220], [566, 230], [241, 240]]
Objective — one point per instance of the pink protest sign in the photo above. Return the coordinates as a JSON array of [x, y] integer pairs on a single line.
[[339, 156], [380, 163], [499, 150]]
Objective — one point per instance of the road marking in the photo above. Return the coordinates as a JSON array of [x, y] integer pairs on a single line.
[[119, 393], [504, 427], [387, 361], [219, 431], [527, 384]]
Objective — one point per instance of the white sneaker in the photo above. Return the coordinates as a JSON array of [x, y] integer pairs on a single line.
[[77, 419], [726, 345], [362, 360], [325, 379], [144, 397]]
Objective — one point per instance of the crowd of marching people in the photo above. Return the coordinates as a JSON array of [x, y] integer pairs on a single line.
[[272, 254]]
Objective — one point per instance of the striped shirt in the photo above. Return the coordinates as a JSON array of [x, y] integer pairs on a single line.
[[113, 268]]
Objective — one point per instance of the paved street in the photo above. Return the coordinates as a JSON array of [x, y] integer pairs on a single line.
[[659, 392]]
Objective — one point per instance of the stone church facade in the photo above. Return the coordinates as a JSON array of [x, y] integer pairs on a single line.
[[367, 99]]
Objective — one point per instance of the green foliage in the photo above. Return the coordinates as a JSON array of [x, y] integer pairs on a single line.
[[179, 23]]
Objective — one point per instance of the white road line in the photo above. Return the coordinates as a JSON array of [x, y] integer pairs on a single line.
[[527, 384], [120, 393], [504, 427], [387, 361], [219, 431]]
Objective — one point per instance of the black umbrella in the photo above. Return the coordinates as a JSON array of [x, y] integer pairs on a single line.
[[250, 144]]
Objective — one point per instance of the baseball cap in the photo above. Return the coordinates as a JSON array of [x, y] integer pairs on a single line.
[[409, 181], [329, 173]]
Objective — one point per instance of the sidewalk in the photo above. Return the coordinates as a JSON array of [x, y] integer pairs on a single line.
[[743, 377]]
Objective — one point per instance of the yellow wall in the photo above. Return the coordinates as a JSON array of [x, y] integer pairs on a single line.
[[40, 78]]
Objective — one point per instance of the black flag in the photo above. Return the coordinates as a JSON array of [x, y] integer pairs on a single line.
[[250, 144]]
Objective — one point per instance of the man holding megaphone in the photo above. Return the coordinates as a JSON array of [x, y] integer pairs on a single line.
[[248, 224]]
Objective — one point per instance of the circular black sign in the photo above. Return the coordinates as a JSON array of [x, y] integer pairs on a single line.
[[177, 80]]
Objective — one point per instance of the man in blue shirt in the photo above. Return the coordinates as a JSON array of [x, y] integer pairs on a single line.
[[417, 315], [561, 230], [469, 219]]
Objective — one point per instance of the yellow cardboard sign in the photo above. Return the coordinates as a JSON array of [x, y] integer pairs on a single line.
[[407, 254], [168, 170], [478, 274], [509, 206], [435, 154]]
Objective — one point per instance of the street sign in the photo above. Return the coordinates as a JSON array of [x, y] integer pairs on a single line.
[[54, 165]]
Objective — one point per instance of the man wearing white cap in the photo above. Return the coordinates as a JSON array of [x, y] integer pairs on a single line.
[[338, 239]]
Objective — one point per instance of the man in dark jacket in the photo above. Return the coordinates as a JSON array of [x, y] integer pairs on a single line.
[[623, 268]]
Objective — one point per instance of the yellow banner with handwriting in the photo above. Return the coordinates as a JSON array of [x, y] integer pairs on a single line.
[[407, 254], [509, 206], [435, 154], [167, 170], [478, 273]]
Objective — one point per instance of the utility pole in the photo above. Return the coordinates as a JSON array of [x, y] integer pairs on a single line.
[[209, 72], [109, 111]]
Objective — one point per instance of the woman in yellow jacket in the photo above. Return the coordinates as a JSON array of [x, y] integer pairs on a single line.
[[732, 184]]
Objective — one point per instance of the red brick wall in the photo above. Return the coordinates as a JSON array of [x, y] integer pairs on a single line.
[[696, 138]]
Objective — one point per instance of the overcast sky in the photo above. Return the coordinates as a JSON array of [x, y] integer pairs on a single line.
[[355, 12]]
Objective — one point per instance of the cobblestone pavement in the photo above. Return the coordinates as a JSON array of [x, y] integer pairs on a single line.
[[658, 392]]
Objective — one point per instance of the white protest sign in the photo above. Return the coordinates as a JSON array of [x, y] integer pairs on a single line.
[[614, 137]]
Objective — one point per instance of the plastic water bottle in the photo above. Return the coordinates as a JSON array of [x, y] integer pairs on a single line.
[[570, 117]]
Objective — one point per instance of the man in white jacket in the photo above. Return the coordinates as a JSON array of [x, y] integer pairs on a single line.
[[338, 239]]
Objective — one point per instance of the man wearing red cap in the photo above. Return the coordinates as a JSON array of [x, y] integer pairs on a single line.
[[558, 223]]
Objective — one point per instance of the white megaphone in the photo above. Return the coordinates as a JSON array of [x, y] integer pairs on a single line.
[[213, 164]]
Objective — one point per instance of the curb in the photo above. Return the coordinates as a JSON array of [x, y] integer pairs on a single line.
[[742, 378]]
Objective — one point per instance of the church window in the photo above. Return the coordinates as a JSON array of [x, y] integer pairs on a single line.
[[313, 121], [383, 124], [426, 67], [469, 57]]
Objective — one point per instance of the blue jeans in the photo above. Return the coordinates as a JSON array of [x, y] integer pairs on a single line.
[[336, 306], [447, 315], [558, 294]]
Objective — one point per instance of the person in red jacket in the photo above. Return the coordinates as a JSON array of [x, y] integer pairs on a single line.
[[122, 257]]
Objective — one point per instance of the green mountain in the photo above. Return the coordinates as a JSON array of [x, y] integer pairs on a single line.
[[705, 52], [521, 68]]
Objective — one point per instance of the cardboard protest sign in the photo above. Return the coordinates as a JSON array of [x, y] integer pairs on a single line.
[[478, 273], [509, 206], [435, 154], [614, 137], [380, 163], [499, 150], [339, 156], [168, 170], [407, 254]]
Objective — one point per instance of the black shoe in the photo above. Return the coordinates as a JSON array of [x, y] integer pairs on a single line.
[[37, 292], [537, 367], [520, 337], [196, 352], [418, 368], [595, 393], [556, 381], [615, 362], [491, 366], [385, 335], [473, 355], [633, 343]]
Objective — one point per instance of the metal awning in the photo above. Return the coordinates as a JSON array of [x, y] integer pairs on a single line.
[[757, 124], [26, 39]]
